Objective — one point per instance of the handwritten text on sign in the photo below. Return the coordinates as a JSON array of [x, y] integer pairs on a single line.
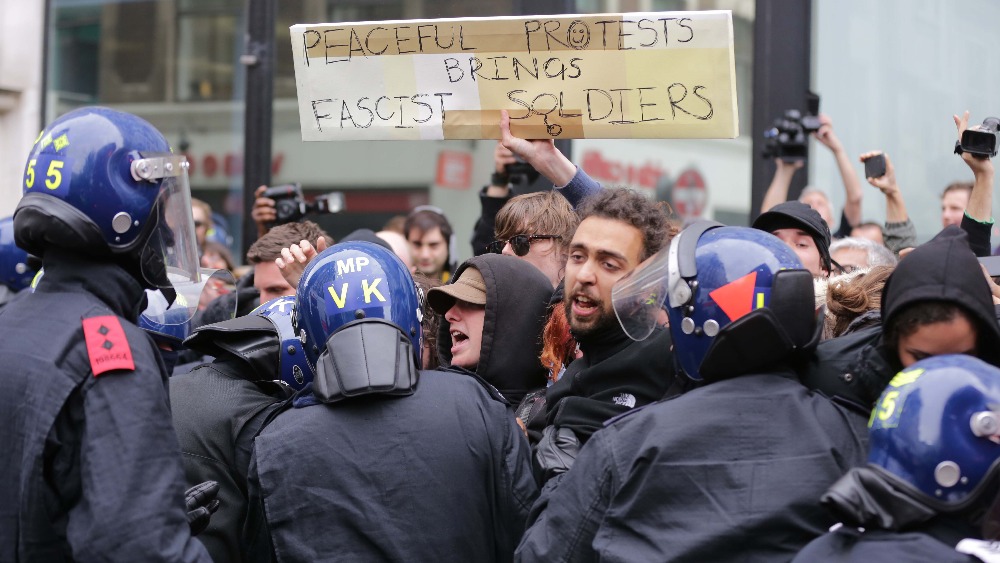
[[635, 75]]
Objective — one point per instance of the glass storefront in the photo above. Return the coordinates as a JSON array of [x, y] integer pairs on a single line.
[[176, 63]]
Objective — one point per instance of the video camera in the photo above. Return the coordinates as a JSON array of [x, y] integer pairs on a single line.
[[980, 140], [290, 205], [788, 138], [520, 173]]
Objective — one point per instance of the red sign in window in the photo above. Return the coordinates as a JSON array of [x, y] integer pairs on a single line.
[[454, 170]]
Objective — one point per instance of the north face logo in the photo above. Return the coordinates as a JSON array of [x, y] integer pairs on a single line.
[[625, 400]]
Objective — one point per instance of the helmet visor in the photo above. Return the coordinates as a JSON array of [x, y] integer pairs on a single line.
[[191, 296], [172, 246], [638, 298]]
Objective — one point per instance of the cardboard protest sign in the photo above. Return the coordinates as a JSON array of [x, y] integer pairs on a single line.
[[634, 75]]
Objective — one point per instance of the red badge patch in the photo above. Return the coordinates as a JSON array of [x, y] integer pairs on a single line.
[[106, 345]]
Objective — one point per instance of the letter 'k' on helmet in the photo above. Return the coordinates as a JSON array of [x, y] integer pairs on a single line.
[[358, 315], [737, 300], [105, 183]]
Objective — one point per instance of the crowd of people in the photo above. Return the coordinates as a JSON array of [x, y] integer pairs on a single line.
[[598, 382]]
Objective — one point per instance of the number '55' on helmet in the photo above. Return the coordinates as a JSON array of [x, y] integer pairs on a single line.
[[737, 300], [936, 429], [358, 315], [103, 182]]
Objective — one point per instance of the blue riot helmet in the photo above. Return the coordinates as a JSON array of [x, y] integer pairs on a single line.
[[168, 327], [292, 364], [737, 300], [15, 271], [358, 316], [936, 432], [105, 183]]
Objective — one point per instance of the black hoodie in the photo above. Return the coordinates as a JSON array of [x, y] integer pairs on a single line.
[[945, 269], [517, 297], [856, 368]]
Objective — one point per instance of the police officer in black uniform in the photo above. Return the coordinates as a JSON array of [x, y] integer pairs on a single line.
[[929, 490], [91, 469], [727, 471], [377, 461], [219, 407]]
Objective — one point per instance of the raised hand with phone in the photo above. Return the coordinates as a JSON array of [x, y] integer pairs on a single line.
[[899, 230]]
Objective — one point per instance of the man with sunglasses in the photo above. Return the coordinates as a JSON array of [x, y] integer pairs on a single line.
[[538, 228]]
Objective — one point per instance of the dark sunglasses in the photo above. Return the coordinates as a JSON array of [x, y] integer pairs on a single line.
[[521, 244]]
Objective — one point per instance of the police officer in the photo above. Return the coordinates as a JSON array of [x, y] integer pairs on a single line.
[[219, 407], [91, 470], [729, 470], [929, 490], [16, 271], [377, 461]]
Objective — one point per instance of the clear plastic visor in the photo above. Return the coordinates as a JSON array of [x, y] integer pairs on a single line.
[[638, 298], [172, 241], [191, 296]]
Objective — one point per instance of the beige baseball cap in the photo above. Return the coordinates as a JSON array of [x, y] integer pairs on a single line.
[[469, 287]]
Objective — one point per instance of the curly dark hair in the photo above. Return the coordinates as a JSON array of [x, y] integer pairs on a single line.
[[628, 206]]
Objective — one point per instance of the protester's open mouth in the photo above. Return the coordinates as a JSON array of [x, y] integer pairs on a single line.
[[583, 306], [458, 340]]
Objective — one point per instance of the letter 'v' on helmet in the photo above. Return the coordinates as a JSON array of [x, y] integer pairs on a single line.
[[352, 281]]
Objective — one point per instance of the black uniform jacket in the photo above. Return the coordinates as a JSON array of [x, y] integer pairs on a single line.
[[440, 475], [218, 410], [90, 468], [726, 472]]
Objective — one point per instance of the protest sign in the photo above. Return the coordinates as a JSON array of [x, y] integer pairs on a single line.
[[633, 75]]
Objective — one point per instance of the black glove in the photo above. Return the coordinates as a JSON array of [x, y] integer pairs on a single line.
[[201, 503]]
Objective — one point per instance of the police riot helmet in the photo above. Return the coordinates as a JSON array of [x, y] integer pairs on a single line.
[[936, 431], [105, 183], [737, 299], [15, 271], [293, 367], [169, 321], [358, 309]]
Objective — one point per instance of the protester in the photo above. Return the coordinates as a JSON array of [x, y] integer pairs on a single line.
[[803, 230], [929, 490], [492, 319], [202, 214], [899, 231], [977, 220], [376, 461], [674, 481], [537, 227], [954, 200], [90, 470], [852, 301], [264, 251], [431, 239], [852, 253]]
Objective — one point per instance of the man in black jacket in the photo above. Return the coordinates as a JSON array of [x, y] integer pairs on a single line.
[[90, 469], [375, 460], [618, 230], [731, 469]]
